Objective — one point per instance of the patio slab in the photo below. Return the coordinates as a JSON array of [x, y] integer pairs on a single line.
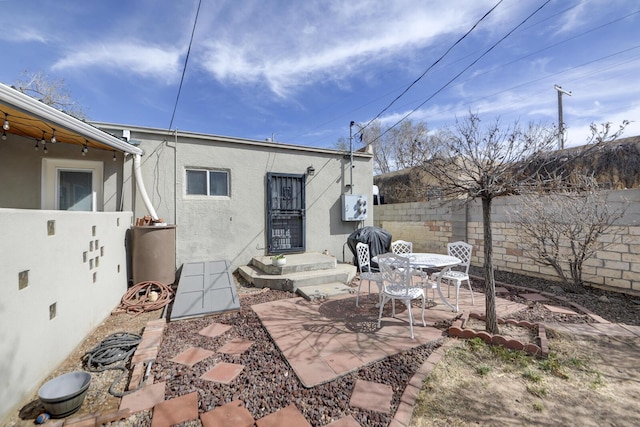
[[324, 340]]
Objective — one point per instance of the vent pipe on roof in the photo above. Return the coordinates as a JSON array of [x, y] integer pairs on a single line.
[[137, 170]]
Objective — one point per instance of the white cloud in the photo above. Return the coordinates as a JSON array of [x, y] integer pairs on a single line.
[[22, 34], [145, 60], [283, 49]]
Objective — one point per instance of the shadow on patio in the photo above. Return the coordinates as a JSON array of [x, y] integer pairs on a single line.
[[324, 340]]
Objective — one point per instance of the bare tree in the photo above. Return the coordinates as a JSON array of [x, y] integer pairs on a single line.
[[400, 147], [51, 92], [562, 229], [488, 162]]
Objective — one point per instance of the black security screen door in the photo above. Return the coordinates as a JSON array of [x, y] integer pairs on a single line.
[[285, 213]]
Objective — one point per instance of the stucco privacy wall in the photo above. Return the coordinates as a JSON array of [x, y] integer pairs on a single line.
[[233, 228], [56, 267], [430, 226]]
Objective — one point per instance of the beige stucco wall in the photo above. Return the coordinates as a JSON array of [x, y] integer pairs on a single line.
[[21, 167], [431, 225], [233, 228], [75, 260]]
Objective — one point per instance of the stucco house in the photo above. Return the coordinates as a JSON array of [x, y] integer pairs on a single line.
[[72, 192]]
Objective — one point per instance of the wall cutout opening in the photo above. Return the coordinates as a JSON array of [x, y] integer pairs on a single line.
[[52, 311], [93, 231], [23, 279], [51, 228], [95, 277]]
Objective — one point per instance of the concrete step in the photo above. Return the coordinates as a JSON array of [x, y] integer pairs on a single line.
[[328, 290], [342, 273], [295, 263]]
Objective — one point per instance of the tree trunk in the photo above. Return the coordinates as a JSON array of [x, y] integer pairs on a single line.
[[489, 279]]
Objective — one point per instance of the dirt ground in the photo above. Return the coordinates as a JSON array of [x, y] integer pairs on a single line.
[[586, 381], [96, 400]]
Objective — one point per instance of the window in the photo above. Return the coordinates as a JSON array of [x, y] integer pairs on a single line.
[[74, 190], [207, 182]]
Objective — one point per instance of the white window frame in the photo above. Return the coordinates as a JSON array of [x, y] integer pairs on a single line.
[[208, 171], [50, 185]]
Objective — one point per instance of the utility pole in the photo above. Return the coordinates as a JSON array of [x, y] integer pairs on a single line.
[[560, 120], [351, 156]]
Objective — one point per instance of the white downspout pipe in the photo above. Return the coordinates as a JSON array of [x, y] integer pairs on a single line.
[[140, 184]]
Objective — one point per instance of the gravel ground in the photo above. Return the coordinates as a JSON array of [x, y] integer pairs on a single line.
[[267, 382], [612, 306]]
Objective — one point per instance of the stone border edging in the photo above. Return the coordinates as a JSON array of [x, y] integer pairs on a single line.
[[402, 417], [458, 330]]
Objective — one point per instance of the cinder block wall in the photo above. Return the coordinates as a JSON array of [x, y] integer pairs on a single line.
[[431, 225]]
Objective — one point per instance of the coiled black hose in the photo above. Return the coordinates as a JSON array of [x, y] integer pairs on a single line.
[[113, 353]]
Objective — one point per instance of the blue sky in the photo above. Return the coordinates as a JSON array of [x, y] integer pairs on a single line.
[[300, 71]]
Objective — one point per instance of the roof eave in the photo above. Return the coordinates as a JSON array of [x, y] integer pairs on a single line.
[[44, 112]]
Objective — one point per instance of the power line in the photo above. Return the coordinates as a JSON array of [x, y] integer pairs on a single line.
[[495, 68], [431, 66], [461, 72], [184, 68], [551, 46]]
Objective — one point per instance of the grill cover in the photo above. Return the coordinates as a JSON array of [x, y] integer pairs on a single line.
[[378, 239]]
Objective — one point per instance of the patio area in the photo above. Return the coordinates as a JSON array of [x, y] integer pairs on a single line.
[[324, 340], [324, 343]]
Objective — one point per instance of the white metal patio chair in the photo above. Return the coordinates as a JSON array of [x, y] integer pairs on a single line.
[[401, 247], [397, 285], [460, 272], [366, 271]]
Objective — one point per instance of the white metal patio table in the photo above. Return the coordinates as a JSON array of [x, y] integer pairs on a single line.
[[420, 260]]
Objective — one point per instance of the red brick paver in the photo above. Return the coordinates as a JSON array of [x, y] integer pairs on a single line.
[[174, 411], [223, 372], [232, 414], [236, 346], [289, 417], [192, 355], [214, 330], [372, 396], [560, 310], [347, 421], [534, 297], [145, 398]]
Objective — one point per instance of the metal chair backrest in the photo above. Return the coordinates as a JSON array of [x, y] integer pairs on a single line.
[[364, 258], [395, 269], [461, 250], [401, 247]]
